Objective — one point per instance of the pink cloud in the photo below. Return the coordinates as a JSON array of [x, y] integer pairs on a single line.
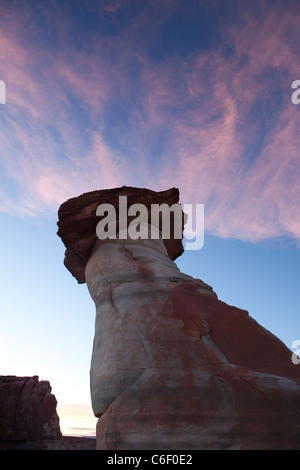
[[246, 199], [44, 172], [199, 105]]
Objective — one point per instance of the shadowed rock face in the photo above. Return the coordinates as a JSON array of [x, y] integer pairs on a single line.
[[27, 410], [173, 367]]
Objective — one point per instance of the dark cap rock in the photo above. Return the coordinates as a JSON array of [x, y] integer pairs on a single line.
[[77, 221]]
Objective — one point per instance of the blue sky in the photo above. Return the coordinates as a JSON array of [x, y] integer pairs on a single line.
[[156, 94]]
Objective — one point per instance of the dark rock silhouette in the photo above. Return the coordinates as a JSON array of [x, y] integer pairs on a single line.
[[29, 420], [27, 410], [65, 443], [173, 367]]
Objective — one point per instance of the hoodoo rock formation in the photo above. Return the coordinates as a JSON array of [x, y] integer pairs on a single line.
[[173, 367]]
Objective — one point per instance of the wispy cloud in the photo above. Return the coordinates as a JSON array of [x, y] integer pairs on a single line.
[[90, 109], [49, 151]]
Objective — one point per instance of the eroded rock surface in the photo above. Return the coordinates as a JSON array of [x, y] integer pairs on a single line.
[[27, 410], [173, 367]]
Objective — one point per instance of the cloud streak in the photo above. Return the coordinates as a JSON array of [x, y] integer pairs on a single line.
[[238, 149], [217, 120]]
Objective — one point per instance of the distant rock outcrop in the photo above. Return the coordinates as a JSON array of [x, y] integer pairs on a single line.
[[173, 367], [27, 410]]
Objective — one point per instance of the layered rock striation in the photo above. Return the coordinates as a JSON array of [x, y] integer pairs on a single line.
[[173, 367], [27, 410]]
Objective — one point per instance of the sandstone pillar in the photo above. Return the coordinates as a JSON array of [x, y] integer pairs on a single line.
[[172, 366]]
